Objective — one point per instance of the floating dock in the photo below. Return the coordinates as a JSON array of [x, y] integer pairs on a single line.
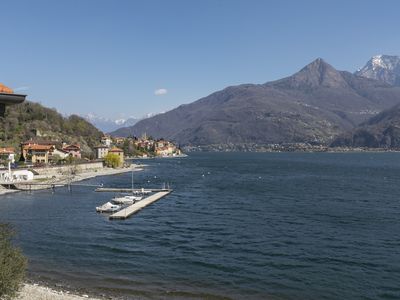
[[134, 208]]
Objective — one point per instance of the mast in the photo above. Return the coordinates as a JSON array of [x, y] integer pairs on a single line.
[[132, 182]]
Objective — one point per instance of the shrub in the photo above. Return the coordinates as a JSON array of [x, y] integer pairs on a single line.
[[112, 160], [12, 264]]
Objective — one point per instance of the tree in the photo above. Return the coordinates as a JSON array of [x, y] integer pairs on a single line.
[[56, 158], [125, 147], [12, 264], [112, 160]]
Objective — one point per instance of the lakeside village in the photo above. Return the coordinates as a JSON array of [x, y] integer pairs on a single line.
[[54, 162]]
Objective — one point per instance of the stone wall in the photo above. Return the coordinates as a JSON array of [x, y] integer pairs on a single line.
[[69, 169]]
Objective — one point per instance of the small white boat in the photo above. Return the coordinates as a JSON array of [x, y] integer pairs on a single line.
[[141, 192], [108, 207], [126, 199]]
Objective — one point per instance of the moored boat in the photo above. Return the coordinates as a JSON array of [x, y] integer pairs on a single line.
[[108, 207], [127, 199]]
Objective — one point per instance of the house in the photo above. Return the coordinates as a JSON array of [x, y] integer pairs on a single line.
[[106, 140], [119, 140], [161, 143], [73, 150], [162, 151], [26, 145], [7, 154], [118, 152], [144, 144], [165, 148], [101, 151], [38, 153], [58, 153]]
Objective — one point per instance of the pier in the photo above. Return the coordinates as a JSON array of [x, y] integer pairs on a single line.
[[29, 185], [134, 208], [130, 190]]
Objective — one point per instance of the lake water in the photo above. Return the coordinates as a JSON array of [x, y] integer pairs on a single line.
[[238, 225]]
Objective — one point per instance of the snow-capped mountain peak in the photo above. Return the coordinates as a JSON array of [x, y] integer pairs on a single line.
[[377, 62], [385, 61], [385, 68], [120, 121], [108, 124]]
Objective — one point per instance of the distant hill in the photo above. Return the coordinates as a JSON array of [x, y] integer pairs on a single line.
[[381, 131], [314, 105], [385, 68], [29, 119]]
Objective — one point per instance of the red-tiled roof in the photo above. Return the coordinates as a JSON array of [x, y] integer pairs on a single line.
[[61, 150], [115, 149], [7, 150], [39, 147], [72, 147], [5, 89]]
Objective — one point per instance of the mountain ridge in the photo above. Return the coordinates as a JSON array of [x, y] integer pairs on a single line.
[[314, 105]]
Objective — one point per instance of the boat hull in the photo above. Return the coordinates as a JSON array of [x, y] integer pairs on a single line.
[[108, 208]]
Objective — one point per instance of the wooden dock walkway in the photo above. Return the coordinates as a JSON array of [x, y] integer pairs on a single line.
[[134, 208]]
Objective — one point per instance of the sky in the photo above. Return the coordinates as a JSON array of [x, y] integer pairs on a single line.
[[129, 58]]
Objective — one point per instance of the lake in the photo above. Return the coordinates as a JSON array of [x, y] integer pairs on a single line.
[[238, 225]]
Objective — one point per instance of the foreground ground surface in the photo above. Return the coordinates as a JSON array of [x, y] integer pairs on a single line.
[[37, 292]]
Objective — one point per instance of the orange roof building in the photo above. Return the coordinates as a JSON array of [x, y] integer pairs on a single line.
[[7, 97], [116, 150], [38, 153], [6, 90], [120, 154], [7, 150]]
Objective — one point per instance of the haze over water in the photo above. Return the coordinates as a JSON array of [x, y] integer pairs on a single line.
[[238, 225]]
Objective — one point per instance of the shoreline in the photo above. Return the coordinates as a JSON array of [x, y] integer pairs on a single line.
[[41, 291], [155, 157], [63, 180], [284, 148]]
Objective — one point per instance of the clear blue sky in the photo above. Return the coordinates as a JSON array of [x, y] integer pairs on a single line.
[[109, 57]]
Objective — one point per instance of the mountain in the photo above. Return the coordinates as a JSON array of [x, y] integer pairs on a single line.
[[385, 68], [381, 131], [31, 120], [313, 105], [107, 124]]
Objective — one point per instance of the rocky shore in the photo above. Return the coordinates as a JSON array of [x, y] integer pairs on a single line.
[[33, 291]]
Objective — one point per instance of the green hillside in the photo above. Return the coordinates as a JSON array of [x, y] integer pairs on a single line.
[[33, 120]]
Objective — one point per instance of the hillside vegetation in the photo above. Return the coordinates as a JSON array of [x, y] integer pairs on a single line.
[[33, 120], [381, 131]]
